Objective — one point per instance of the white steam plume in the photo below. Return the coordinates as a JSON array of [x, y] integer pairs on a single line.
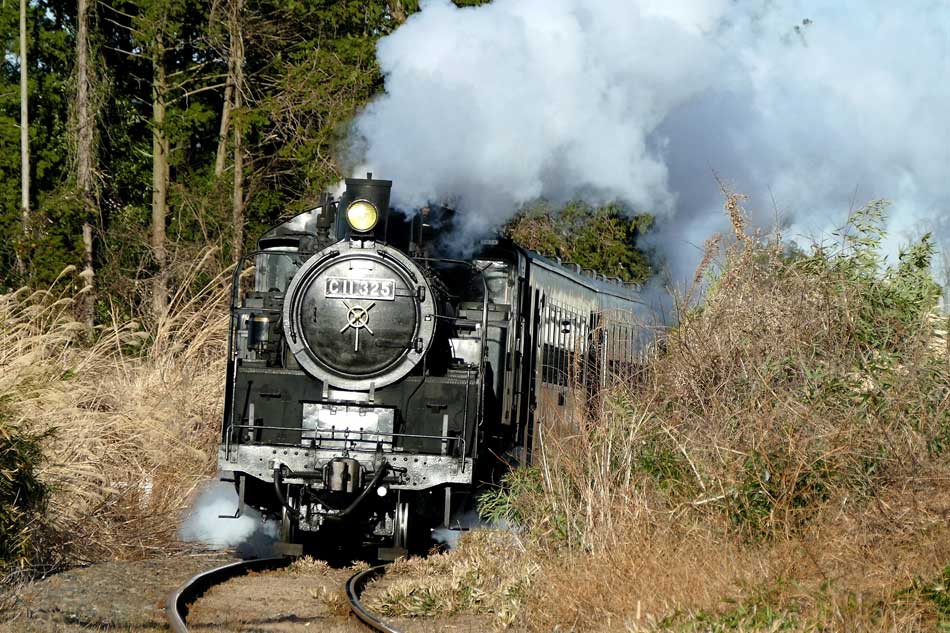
[[204, 523], [807, 103], [461, 523]]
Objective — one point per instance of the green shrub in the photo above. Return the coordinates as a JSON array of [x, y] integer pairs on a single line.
[[508, 502], [886, 301], [22, 495], [776, 489], [602, 238], [938, 593]]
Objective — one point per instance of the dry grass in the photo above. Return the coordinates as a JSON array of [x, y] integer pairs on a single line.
[[850, 575], [489, 574], [335, 599], [780, 464], [132, 413], [307, 566]]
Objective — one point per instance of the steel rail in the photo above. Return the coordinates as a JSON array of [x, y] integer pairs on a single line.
[[354, 588], [176, 606]]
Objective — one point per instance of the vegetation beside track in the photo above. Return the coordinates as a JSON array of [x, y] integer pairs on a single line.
[[780, 464], [105, 432]]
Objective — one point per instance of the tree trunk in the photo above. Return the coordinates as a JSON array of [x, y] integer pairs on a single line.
[[87, 307], [84, 169], [222, 155], [159, 180], [237, 59], [24, 140]]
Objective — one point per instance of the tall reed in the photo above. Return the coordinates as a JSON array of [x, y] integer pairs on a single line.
[[129, 416]]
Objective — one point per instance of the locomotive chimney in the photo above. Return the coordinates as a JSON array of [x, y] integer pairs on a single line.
[[364, 208]]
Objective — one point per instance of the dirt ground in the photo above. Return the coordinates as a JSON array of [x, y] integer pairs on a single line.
[[124, 596], [278, 601], [130, 596]]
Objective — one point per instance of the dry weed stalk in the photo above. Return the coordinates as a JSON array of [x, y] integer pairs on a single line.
[[132, 414], [786, 451], [710, 250], [488, 574]]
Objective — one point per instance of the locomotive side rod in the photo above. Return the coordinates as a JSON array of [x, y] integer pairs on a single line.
[[176, 606]]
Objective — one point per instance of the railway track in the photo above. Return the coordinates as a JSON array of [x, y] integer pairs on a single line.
[[180, 600], [354, 588]]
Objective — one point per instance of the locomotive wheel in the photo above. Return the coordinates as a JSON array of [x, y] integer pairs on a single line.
[[287, 544], [401, 536]]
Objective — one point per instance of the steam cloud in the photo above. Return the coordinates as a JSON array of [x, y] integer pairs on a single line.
[[810, 104], [462, 522], [204, 523]]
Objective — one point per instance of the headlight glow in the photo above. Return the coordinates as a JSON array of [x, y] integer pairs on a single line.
[[361, 215]]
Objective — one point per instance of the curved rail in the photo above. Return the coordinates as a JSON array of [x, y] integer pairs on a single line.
[[354, 588], [176, 606]]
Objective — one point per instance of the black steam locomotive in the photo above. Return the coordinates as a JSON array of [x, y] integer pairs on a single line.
[[372, 383]]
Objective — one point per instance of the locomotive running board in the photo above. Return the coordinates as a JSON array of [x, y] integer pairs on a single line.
[[422, 470]]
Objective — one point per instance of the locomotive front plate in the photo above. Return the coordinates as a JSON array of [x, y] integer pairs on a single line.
[[356, 288], [359, 318]]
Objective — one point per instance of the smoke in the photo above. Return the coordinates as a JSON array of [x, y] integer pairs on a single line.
[[204, 523], [462, 522], [808, 107]]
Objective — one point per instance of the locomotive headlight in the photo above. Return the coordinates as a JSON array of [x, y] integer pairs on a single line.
[[362, 215]]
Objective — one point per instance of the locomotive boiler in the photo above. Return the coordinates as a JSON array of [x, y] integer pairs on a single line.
[[373, 384]]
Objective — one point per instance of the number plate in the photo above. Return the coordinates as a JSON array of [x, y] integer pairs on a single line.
[[356, 288]]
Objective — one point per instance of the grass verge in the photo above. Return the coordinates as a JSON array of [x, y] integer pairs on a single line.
[[780, 463], [105, 433]]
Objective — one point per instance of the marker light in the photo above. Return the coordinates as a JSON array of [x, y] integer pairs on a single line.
[[362, 215], [381, 491]]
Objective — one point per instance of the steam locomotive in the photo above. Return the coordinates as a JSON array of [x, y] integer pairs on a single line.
[[373, 383]]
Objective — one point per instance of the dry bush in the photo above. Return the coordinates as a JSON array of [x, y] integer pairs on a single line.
[[335, 600], [488, 574], [130, 414], [780, 464], [308, 566]]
